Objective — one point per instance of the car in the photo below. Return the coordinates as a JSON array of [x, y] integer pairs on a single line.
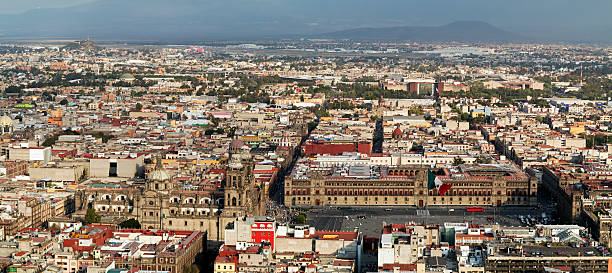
[[590, 252], [547, 244], [559, 253], [387, 209], [451, 210]]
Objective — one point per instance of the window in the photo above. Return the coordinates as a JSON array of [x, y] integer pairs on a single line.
[[185, 223], [170, 222]]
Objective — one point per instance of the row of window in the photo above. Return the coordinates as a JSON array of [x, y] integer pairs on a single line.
[[185, 223], [408, 192], [406, 199]]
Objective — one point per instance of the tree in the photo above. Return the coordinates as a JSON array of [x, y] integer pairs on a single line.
[[13, 90], [138, 107], [311, 126], [64, 102], [539, 118], [300, 219], [458, 161], [195, 268], [92, 217], [483, 160], [231, 132], [50, 141], [105, 138], [130, 223]]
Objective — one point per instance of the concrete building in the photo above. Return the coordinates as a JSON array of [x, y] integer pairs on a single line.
[[57, 173], [117, 166], [24, 153], [405, 244]]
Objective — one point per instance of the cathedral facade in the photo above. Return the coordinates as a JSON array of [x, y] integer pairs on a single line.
[[163, 204]]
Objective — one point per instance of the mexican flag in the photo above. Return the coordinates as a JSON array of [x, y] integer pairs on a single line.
[[434, 182]]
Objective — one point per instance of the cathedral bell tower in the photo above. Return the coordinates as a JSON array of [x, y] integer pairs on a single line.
[[240, 191]]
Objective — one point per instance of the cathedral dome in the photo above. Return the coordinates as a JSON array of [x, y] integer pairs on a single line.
[[159, 173]]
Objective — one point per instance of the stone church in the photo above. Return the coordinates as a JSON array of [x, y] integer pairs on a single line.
[[163, 204]]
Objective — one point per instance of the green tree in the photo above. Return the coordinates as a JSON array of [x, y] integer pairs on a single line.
[[483, 160], [64, 102], [300, 219], [92, 217], [311, 126], [138, 107], [130, 223], [195, 268], [458, 161], [539, 118], [13, 89], [50, 141], [105, 138]]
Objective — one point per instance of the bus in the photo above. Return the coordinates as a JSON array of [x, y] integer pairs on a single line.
[[474, 209]]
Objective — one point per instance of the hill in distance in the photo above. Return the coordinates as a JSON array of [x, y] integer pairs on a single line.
[[462, 31], [85, 45]]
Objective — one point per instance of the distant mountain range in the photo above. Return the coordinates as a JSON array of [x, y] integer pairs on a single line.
[[191, 21], [463, 31]]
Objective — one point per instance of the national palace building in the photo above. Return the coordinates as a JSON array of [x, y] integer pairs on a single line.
[[312, 185]]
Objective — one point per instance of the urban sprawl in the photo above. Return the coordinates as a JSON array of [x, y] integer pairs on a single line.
[[309, 156]]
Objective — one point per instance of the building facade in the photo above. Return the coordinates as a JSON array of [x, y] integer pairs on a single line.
[[163, 204], [407, 186]]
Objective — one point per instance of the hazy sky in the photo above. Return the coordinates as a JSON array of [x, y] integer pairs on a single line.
[[19, 6], [538, 18], [499, 12]]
